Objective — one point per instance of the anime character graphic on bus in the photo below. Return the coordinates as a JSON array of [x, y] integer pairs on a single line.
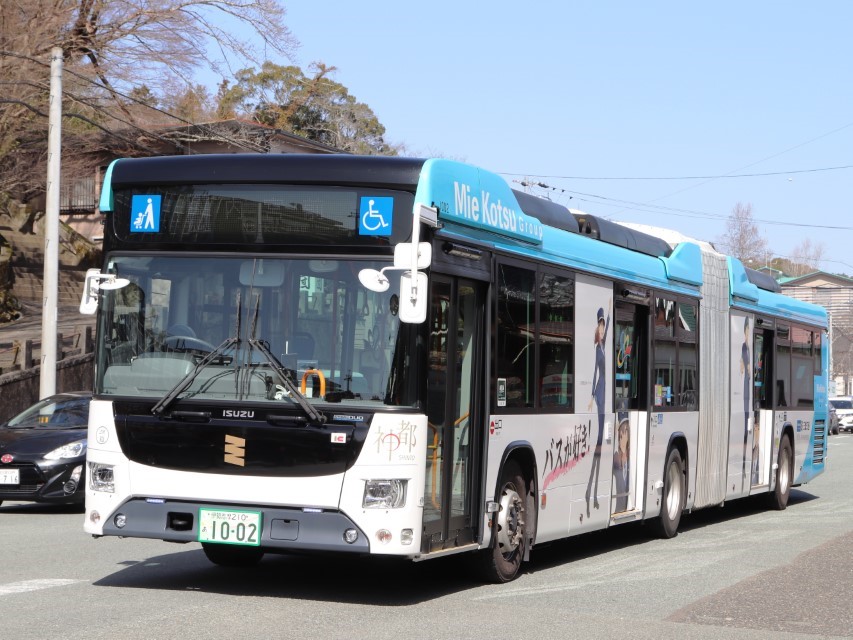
[[758, 376], [622, 465], [745, 370], [599, 394]]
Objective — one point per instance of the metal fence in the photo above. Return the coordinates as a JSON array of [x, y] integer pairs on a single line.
[[20, 355]]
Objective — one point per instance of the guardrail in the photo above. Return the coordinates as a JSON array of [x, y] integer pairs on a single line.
[[20, 355]]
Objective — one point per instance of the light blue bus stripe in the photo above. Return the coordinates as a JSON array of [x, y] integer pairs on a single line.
[[106, 203]]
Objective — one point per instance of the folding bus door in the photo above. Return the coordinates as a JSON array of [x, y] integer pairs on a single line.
[[454, 411], [631, 400]]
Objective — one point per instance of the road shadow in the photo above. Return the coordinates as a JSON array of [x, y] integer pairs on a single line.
[[741, 508], [351, 580], [390, 581], [8, 508]]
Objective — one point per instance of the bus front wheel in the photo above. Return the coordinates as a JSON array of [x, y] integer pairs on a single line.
[[502, 561]]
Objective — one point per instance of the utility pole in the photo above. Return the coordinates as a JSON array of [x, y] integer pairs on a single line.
[[50, 282]]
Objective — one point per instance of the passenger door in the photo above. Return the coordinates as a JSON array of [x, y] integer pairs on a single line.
[[762, 399], [454, 411], [631, 402]]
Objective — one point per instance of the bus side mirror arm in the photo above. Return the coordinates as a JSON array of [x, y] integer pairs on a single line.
[[409, 257], [94, 283]]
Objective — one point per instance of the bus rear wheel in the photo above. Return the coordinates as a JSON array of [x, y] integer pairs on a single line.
[[227, 555], [502, 561], [784, 470], [673, 496]]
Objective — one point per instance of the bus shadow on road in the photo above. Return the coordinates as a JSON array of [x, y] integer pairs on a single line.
[[353, 580], [597, 543], [744, 508], [389, 581]]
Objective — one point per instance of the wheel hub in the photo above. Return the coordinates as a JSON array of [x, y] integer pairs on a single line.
[[510, 521]]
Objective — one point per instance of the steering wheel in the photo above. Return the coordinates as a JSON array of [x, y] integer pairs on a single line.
[[186, 344]]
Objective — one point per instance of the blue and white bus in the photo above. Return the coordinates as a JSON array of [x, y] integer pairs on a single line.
[[406, 357]]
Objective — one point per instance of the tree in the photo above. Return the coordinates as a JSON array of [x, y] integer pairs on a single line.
[[806, 257], [314, 107], [192, 103], [742, 238], [111, 47]]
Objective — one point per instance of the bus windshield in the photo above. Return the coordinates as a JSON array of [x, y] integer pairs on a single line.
[[335, 340]]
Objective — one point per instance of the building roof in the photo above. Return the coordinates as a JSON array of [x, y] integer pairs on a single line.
[[817, 279]]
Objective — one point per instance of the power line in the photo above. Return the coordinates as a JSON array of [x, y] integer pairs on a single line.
[[646, 207], [710, 177]]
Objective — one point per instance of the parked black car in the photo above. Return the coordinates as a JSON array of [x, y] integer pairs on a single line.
[[43, 451]]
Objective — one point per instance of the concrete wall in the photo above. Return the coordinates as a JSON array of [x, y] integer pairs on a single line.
[[20, 389]]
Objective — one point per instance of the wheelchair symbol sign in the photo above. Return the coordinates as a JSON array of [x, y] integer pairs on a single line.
[[376, 216]]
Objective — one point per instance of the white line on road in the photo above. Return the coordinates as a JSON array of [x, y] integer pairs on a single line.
[[33, 585]]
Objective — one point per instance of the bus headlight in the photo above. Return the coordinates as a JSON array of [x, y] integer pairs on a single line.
[[101, 477], [384, 494]]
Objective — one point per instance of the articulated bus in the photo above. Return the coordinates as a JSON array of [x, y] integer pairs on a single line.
[[407, 357]]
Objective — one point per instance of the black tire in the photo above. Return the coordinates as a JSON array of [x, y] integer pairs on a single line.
[[784, 475], [673, 496], [229, 555], [501, 562]]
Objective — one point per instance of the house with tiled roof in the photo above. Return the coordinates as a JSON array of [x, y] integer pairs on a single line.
[[835, 293]]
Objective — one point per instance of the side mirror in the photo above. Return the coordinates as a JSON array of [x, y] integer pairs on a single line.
[[413, 297], [95, 283], [89, 302]]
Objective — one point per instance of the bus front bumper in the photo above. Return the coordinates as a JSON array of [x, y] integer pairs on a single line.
[[282, 529]]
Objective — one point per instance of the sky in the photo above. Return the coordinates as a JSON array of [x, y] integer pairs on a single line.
[[637, 112]]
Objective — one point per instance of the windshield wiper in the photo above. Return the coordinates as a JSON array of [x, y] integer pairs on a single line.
[[188, 379], [289, 384], [276, 366]]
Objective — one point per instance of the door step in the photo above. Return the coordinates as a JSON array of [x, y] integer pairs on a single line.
[[626, 516], [446, 552]]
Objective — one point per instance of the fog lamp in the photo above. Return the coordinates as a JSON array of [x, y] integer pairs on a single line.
[[120, 520], [350, 536]]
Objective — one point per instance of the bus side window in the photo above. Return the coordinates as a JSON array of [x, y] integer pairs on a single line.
[[556, 340], [783, 366], [516, 331]]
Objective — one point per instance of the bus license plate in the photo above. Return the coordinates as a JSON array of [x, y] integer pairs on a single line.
[[10, 476], [229, 527]]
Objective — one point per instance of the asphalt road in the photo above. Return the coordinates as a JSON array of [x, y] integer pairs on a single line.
[[738, 572]]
